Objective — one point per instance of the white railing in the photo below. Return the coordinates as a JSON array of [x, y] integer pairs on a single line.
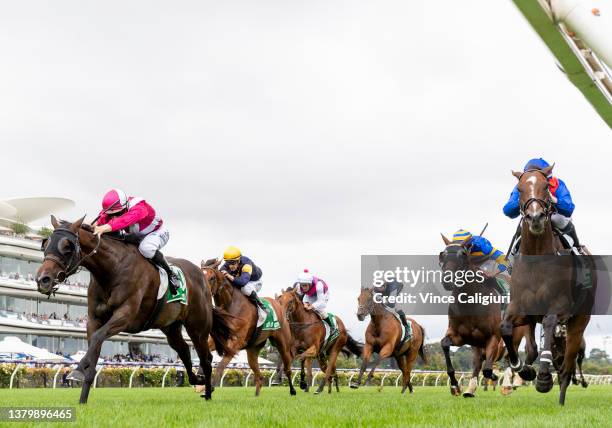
[[135, 366]]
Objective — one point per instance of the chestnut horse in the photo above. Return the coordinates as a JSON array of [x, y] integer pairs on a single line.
[[122, 297], [543, 285], [472, 324], [308, 334], [244, 326], [384, 336]]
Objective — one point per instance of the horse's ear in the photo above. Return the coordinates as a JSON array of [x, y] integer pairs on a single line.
[[77, 224], [55, 222], [275, 296], [517, 174], [548, 170], [445, 239]]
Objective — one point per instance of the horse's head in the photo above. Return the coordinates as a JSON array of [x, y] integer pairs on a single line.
[[213, 276], [62, 251], [535, 199], [455, 257], [365, 303], [289, 301]]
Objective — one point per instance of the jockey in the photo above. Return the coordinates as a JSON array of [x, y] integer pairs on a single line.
[[561, 199], [243, 274], [393, 289], [315, 295], [491, 260], [135, 216]]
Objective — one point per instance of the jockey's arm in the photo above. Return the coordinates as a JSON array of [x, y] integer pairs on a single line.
[[320, 303], [565, 205], [512, 208], [132, 216], [244, 277]]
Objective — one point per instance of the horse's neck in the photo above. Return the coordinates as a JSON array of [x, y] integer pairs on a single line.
[[378, 313], [300, 314], [105, 264], [537, 245], [226, 296]]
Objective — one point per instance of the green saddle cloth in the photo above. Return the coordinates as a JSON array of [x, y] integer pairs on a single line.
[[271, 322], [330, 334], [181, 295]]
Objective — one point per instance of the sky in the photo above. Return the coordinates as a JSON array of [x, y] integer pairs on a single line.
[[305, 133]]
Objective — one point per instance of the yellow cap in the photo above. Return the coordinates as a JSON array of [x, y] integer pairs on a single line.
[[231, 253]]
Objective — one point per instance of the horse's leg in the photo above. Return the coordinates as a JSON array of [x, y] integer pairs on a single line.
[[303, 382], [92, 326], [117, 323], [200, 344], [331, 367], [385, 352], [526, 372], [175, 339], [285, 356], [252, 356], [476, 366], [365, 358], [491, 352], [402, 365], [544, 381], [572, 347], [446, 343], [308, 364], [579, 360], [531, 347]]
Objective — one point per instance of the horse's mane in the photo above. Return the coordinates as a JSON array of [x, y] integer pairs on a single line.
[[212, 263]]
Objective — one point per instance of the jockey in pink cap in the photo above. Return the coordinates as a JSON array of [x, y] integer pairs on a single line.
[[136, 217]]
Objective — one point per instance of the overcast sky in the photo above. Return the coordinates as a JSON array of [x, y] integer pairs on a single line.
[[306, 133]]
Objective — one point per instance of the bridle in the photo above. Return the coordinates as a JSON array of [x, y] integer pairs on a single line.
[[75, 261], [545, 204], [368, 307]]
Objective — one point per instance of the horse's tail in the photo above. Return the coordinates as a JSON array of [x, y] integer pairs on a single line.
[[352, 347], [221, 330], [422, 351]]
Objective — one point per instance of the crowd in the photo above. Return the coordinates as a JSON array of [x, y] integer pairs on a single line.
[[16, 276], [80, 321]]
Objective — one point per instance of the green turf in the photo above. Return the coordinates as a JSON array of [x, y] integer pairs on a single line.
[[238, 407]]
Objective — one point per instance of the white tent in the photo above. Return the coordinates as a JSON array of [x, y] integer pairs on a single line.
[[79, 356], [16, 348]]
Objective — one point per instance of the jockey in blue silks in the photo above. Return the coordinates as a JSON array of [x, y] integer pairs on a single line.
[[490, 259], [561, 199]]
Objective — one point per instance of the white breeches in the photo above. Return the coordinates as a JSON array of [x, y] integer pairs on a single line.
[[319, 305], [560, 221], [251, 286], [153, 242]]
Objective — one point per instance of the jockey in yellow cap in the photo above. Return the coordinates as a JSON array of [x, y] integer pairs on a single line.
[[243, 274]]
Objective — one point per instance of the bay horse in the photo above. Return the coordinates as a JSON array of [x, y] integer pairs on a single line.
[[244, 326], [122, 297], [475, 324], [542, 285], [384, 336], [308, 334]]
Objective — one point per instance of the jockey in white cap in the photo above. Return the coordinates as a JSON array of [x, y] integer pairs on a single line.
[[315, 295]]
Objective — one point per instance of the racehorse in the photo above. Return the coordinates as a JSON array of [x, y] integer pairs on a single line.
[[384, 336], [472, 324], [543, 281], [244, 326], [308, 334], [122, 297]]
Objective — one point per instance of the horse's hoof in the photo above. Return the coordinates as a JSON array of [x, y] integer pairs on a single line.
[[584, 384], [527, 373], [487, 373], [468, 395], [76, 374], [494, 377], [206, 397], [292, 392], [544, 382], [354, 385], [303, 385], [455, 391], [575, 381]]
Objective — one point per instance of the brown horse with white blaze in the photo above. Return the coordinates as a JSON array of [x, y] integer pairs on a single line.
[[244, 326], [122, 297], [544, 280], [384, 336]]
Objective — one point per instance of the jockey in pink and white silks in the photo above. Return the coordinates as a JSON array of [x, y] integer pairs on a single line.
[[136, 217], [315, 295]]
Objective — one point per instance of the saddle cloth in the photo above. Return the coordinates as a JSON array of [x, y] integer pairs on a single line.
[[406, 333], [181, 296]]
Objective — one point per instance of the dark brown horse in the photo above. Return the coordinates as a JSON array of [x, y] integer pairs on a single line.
[[472, 324], [308, 334], [122, 297], [543, 282], [244, 326], [384, 336]]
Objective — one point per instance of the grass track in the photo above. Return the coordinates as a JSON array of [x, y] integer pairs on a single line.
[[237, 407]]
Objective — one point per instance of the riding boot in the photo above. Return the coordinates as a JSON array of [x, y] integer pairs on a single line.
[[173, 281], [333, 329], [407, 326], [253, 298], [570, 230]]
